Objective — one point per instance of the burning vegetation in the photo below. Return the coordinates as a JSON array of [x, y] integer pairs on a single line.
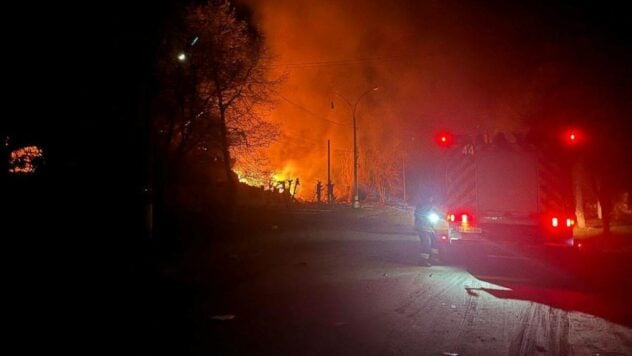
[[25, 160], [253, 91], [472, 69]]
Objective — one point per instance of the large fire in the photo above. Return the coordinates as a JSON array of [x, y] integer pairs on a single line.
[[429, 76], [286, 173]]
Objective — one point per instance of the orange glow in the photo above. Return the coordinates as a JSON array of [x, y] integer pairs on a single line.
[[24, 159], [278, 181], [329, 58], [252, 181]]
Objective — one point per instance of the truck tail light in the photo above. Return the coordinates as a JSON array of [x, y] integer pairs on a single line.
[[561, 223], [460, 218]]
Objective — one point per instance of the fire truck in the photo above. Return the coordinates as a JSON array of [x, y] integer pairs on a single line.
[[498, 194]]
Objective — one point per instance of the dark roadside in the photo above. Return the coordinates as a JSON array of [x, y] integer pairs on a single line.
[[180, 278], [618, 241], [176, 298]]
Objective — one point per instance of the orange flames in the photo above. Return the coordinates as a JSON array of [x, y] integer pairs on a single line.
[[288, 172], [428, 72], [309, 108], [25, 160]]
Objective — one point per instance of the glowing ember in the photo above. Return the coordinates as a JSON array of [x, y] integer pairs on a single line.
[[25, 160]]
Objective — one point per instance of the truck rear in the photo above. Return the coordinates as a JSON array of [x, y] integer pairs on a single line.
[[505, 195]]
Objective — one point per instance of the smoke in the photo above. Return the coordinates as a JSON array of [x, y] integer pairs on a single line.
[[438, 65]]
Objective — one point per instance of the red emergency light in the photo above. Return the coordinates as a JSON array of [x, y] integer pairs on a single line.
[[461, 218], [444, 139], [572, 136], [557, 222]]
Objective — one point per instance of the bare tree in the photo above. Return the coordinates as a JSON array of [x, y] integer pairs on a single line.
[[254, 166], [343, 174], [214, 85], [382, 170], [229, 57]]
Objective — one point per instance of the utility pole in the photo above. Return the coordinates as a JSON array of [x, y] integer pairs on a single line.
[[356, 198], [354, 107], [404, 176]]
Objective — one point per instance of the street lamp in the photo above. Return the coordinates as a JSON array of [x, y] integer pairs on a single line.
[[182, 56], [353, 107]]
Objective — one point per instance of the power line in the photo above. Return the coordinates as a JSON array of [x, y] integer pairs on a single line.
[[404, 138], [305, 139], [309, 143], [375, 60], [312, 113]]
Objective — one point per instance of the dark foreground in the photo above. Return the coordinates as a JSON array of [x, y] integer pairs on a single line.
[[332, 283]]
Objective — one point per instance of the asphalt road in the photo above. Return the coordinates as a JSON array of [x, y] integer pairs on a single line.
[[329, 285]]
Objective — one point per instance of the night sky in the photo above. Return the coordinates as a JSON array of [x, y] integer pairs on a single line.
[[458, 65]]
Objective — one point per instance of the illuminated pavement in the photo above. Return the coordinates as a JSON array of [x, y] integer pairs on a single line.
[[341, 290]]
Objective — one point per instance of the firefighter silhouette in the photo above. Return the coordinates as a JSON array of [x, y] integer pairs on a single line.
[[425, 229]]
